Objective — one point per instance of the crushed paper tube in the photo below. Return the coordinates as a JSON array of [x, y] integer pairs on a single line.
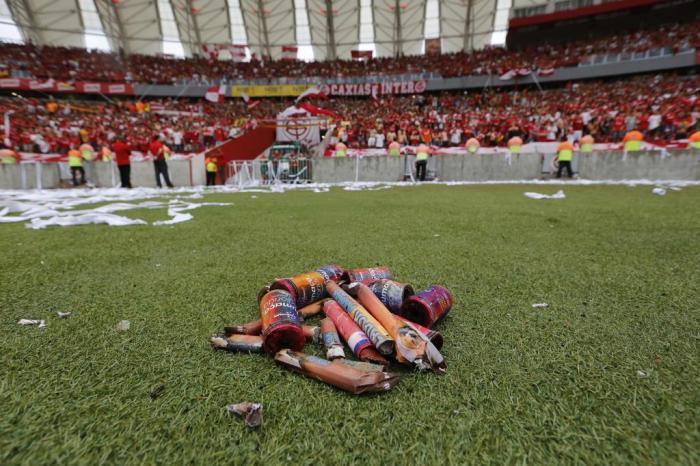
[[253, 327], [62, 315], [40, 323], [252, 413], [352, 334], [659, 191], [312, 334], [411, 345], [377, 334], [338, 374], [558, 195], [238, 343], [434, 336], [331, 340], [536, 305]]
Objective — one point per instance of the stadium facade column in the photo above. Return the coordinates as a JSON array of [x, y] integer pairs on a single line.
[[263, 24], [24, 17]]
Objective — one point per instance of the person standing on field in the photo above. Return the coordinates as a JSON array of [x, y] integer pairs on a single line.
[[565, 153], [122, 152], [157, 150]]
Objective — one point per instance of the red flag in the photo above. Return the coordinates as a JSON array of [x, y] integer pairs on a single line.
[[314, 110]]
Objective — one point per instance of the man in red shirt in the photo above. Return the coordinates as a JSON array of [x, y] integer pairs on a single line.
[[157, 150], [122, 152]]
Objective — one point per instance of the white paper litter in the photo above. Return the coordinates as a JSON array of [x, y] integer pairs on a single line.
[[123, 325], [63, 315], [40, 323], [558, 195], [659, 191], [540, 305], [66, 207]]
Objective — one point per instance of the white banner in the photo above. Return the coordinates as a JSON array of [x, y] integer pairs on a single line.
[[302, 129]]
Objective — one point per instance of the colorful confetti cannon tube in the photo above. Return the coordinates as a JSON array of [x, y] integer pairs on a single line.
[[305, 288], [352, 334], [281, 326], [427, 307], [331, 272], [392, 294], [372, 273], [434, 336], [352, 379], [251, 328], [411, 345], [239, 343], [377, 334], [331, 340]]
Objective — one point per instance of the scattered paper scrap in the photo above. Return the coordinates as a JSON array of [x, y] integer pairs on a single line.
[[540, 305], [63, 315], [252, 413], [40, 323], [558, 195], [123, 325], [659, 191]]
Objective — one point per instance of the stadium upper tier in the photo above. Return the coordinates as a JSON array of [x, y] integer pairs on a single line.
[[663, 107], [81, 65]]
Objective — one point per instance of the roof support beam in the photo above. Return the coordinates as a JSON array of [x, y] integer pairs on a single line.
[[330, 47], [397, 28], [24, 17], [468, 35], [113, 27], [263, 27]]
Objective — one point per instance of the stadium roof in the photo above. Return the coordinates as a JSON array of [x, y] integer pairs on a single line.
[[321, 29]]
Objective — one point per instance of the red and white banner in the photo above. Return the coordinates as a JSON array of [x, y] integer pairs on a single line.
[[361, 54], [216, 94], [236, 51], [545, 72], [375, 89], [80, 87], [289, 52]]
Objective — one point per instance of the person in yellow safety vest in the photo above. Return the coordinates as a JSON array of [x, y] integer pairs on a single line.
[[87, 152], [565, 153], [586, 144], [515, 145], [695, 140], [211, 171], [472, 145], [107, 154], [341, 150], [633, 141], [394, 149], [8, 156], [75, 162], [422, 154]]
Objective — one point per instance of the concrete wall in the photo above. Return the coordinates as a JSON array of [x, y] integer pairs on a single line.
[[676, 165], [29, 176]]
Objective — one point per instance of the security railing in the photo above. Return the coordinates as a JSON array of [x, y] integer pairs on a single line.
[[268, 172]]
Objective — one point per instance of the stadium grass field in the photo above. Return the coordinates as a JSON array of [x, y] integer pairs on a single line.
[[608, 373]]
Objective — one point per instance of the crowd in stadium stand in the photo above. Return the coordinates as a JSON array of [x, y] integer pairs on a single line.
[[663, 107], [81, 65]]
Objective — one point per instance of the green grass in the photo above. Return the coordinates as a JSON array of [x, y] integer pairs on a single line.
[[618, 266]]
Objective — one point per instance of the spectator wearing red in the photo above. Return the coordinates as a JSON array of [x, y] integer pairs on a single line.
[[122, 152], [157, 151]]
